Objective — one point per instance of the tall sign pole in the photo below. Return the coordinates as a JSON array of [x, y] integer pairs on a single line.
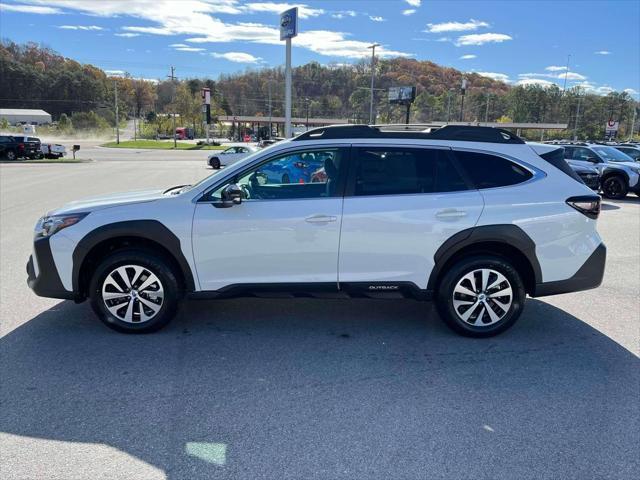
[[288, 30], [463, 91], [206, 110], [373, 76], [115, 83]]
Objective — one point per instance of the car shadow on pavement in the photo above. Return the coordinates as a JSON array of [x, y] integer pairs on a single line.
[[257, 388]]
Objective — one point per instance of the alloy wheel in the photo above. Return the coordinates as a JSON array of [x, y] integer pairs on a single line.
[[482, 297], [132, 293]]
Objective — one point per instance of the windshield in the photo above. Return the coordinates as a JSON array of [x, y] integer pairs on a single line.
[[610, 154]]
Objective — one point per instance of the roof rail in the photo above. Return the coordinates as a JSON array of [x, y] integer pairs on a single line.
[[465, 133]]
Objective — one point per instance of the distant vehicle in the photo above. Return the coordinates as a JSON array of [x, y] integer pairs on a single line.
[[185, 133], [619, 174], [9, 148], [297, 168], [589, 175], [230, 155], [632, 150], [269, 141], [53, 150], [31, 146]]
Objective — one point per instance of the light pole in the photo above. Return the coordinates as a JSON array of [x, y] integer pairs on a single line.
[[288, 30], [373, 76], [575, 129], [463, 88], [566, 74], [115, 83]]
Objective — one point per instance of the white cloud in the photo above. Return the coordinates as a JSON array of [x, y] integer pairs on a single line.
[[604, 90], [443, 39], [571, 76], [502, 77], [343, 14], [127, 35], [455, 26], [181, 47], [482, 38], [375, 18], [304, 11], [409, 11], [602, 52], [414, 3], [535, 81], [115, 73], [631, 91], [237, 57], [80, 27], [30, 9], [555, 68], [194, 20], [467, 57]]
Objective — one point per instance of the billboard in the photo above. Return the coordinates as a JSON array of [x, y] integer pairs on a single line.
[[402, 95], [289, 23]]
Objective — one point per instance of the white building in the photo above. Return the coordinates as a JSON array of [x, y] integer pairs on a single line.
[[25, 115]]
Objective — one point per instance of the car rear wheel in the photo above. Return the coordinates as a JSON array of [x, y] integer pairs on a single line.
[[481, 296], [10, 154], [134, 292], [614, 187], [214, 162]]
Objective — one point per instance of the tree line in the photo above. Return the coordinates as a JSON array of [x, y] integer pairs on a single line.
[[35, 77]]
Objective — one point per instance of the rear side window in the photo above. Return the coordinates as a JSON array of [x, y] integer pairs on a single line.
[[557, 159], [397, 171], [489, 171]]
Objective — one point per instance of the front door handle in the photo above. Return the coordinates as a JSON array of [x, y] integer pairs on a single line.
[[320, 219], [451, 213]]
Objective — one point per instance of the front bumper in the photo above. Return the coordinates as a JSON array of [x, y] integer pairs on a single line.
[[44, 280], [587, 277], [591, 180]]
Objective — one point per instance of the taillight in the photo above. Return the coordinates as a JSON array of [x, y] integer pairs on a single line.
[[588, 205], [21, 146]]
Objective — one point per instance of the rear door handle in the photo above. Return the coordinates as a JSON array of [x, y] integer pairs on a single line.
[[320, 219], [451, 213]]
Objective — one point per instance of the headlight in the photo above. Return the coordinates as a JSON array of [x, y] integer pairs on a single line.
[[48, 225]]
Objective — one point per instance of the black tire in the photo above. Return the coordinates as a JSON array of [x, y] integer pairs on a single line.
[[10, 155], [445, 297], [215, 163], [152, 263], [614, 187], [285, 178]]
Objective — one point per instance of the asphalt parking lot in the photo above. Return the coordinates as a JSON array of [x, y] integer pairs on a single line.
[[352, 389]]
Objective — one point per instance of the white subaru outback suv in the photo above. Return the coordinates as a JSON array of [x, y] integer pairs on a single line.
[[471, 217]]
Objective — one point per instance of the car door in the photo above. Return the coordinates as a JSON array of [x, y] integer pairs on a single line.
[[281, 233], [586, 157], [402, 204]]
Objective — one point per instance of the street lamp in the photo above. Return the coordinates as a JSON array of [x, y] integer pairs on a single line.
[[373, 75], [463, 91]]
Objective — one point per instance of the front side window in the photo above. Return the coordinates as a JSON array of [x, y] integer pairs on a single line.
[[611, 154], [398, 171], [489, 171], [299, 175]]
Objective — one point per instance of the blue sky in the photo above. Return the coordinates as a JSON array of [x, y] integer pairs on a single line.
[[516, 41]]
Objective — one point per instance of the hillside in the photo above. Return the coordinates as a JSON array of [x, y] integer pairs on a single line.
[[34, 77]]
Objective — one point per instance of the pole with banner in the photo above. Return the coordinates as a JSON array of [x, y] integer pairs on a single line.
[[288, 30]]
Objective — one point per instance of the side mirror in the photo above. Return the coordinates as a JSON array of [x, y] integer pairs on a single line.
[[231, 195]]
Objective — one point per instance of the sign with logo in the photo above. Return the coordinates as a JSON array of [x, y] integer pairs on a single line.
[[611, 129], [402, 95], [206, 96], [289, 23]]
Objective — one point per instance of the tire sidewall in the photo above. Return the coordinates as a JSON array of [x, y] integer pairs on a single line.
[[214, 163], [451, 278], [154, 264], [11, 155]]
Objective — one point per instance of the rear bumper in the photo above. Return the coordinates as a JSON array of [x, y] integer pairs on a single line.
[[587, 277], [44, 280]]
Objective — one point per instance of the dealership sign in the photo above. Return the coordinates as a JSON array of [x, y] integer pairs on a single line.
[[611, 129], [402, 95], [289, 23]]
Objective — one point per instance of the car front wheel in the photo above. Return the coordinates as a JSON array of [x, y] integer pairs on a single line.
[[481, 296], [214, 162], [134, 292], [614, 187], [10, 154]]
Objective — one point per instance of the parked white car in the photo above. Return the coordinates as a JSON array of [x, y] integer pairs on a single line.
[[53, 150], [471, 217], [230, 155]]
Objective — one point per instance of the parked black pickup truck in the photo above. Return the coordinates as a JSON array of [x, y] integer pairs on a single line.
[[13, 148], [31, 146]]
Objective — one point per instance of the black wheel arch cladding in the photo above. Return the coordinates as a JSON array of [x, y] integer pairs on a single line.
[[148, 230], [511, 236]]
